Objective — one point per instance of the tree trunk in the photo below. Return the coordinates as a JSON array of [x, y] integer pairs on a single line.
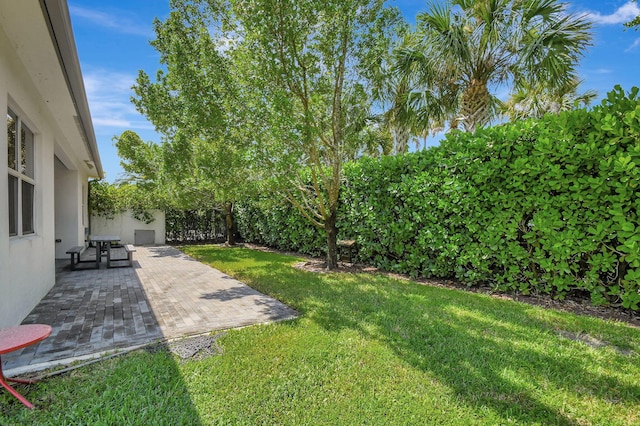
[[401, 138], [228, 217], [475, 106], [332, 241]]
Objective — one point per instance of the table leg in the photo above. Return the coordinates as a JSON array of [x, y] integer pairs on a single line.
[[97, 245], [12, 391], [99, 248]]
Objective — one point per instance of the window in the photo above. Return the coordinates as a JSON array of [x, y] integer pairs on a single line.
[[20, 157]]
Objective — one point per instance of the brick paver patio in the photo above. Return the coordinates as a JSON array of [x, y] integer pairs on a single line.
[[166, 294]]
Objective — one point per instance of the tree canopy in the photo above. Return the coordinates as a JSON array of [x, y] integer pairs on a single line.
[[306, 71], [280, 94], [463, 50], [197, 104]]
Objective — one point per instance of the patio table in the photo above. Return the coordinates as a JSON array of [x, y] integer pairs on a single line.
[[104, 241], [15, 338]]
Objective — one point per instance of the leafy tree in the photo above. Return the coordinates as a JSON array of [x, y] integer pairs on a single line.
[[140, 160], [307, 65], [197, 105], [145, 186], [151, 170], [104, 200], [107, 200], [463, 50]]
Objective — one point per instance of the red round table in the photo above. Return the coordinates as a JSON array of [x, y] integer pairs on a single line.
[[15, 338]]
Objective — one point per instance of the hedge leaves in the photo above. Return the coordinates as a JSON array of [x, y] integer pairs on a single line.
[[546, 205]]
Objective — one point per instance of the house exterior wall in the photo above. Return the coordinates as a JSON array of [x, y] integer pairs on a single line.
[[38, 89], [70, 210], [27, 263], [125, 226]]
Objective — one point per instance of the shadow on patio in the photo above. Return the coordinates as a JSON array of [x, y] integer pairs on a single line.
[[165, 295]]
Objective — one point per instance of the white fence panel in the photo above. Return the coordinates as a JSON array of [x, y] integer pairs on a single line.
[[126, 226]]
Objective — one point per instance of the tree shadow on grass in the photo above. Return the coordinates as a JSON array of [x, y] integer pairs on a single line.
[[492, 354], [501, 367], [235, 254]]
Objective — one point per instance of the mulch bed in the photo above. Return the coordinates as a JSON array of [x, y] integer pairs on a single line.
[[573, 303]]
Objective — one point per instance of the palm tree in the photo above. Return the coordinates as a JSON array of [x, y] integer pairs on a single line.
[[534, 102], [408, 110], [398, 118], [463, 50]]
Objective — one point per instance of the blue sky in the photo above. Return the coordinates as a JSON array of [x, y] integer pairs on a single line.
[[113, 44]]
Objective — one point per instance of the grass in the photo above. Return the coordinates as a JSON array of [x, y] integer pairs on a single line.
[[367, 349]]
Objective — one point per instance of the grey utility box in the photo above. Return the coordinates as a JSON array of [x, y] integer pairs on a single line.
[[144, 237]]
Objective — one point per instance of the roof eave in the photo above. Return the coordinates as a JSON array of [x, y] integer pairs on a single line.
[[56, 15]]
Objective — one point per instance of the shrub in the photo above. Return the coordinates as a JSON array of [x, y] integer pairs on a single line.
[[279, 225], [546, 205]]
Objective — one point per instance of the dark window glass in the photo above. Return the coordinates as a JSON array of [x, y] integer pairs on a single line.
[[21, 164], [13, 205], [26, 151], [11, 141], [27, 208]]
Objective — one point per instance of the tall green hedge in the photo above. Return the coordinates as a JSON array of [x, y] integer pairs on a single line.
[[547, 206], [277, 224]]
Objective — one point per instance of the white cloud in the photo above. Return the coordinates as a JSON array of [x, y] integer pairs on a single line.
[[118, 23], [111, 122], [634, 45], [96, 80], [109, 94], [624, 13]]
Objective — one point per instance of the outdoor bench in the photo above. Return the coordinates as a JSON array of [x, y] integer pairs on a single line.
[[75, 253], [129, 249]]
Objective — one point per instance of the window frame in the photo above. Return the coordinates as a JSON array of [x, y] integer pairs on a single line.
[[23, 175]]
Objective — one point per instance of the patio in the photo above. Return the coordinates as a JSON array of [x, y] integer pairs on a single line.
[[165, 295]]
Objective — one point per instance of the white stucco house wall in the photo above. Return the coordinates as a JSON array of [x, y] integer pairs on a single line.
[[49, 147]]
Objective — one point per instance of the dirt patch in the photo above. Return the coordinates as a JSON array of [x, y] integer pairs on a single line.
[[199, 347], [321, 267], [593, 342], [585, 338], [190, 348]]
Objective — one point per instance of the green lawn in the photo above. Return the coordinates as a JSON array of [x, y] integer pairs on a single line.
[[367, 349]]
